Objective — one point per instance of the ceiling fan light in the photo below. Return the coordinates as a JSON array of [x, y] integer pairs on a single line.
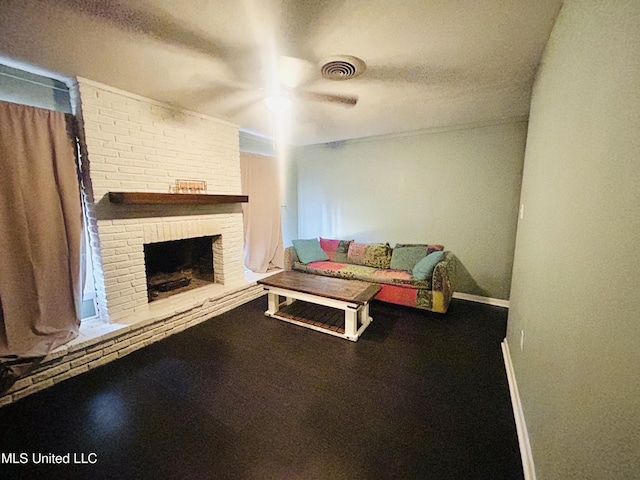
[[278, 103]]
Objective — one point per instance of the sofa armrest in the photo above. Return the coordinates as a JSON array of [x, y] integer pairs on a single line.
[[290, 257], [442, 283]]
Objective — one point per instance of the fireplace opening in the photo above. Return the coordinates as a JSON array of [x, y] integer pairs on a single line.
[[178, 266]]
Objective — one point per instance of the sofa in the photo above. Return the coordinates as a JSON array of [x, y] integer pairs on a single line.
[[414, 275]]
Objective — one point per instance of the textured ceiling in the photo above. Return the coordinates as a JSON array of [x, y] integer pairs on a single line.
[[430, 63]]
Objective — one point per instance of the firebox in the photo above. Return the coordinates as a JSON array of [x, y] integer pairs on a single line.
[[177, 266]]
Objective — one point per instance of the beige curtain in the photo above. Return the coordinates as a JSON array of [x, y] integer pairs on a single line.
[[262, 226], [40, 236]]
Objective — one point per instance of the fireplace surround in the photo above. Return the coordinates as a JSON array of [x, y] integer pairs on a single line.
[[178, 266], [137, 148]]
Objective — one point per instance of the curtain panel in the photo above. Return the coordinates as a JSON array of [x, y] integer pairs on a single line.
[[263, 247], [40, 236]]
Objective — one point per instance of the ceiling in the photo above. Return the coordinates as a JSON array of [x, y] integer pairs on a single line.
[[429, 63]]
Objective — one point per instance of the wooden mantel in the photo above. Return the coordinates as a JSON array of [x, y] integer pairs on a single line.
[[144, 198]]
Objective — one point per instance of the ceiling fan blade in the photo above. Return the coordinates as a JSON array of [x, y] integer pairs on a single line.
[[242, 105], [294, 72], [346, 100], [147, 20]]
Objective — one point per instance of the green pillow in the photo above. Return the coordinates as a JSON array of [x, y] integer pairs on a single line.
[[424, 268], [405, 258], [309, 250]]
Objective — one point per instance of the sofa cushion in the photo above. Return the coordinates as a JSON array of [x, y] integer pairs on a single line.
[[360, 272], [335, 249], [406, 257], [424, 268], [309, 250], [377, 255]]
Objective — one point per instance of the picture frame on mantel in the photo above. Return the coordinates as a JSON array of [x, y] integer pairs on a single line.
[[189, 186]]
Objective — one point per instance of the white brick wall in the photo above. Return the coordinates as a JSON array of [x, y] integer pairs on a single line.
[[137, 144]]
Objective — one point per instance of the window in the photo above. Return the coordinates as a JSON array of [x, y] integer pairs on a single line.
[[19, 86]]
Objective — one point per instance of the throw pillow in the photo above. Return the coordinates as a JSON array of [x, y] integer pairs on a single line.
[[430, 247], [335, 249], [424, 268], [309, 250], [406, 257], [377, 255]]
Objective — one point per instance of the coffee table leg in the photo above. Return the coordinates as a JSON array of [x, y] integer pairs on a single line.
[[365, 319], [351, 323], [274, 303]]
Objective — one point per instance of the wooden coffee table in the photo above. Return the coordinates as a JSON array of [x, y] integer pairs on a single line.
[[351, 296]]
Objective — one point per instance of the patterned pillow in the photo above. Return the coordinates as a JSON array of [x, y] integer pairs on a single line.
[[405, 258], [377, 255], [335, 249]]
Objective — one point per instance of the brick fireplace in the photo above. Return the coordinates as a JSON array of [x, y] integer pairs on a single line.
[[134, 144]]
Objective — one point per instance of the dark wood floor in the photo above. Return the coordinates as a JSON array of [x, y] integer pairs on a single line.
[[243, 396]]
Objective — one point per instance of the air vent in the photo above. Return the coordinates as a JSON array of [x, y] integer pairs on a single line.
[[343, 67]]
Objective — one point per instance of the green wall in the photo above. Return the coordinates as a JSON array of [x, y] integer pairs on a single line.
[[575, 291], [456, 186]]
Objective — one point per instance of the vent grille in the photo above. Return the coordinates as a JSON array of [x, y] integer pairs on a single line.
[[342, 68]]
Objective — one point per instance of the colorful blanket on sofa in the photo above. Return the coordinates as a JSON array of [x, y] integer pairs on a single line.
[[398, 286], [364, 273]]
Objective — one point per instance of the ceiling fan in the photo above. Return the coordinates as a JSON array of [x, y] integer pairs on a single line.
[[289, 79], [294, 74]]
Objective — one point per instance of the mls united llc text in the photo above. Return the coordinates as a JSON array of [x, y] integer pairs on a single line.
[[48, 458]]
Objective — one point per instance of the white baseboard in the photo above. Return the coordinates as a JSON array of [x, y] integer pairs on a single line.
[[521, 426], [498, 302]]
